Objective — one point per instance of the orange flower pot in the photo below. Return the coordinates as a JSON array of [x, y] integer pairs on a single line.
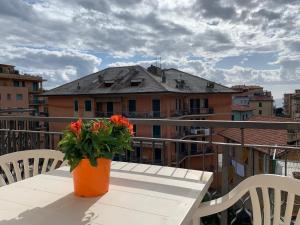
[[90, 181]]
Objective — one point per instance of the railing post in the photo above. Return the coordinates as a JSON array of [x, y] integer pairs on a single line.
[[163, 153], [153, 152], [177, 154], [285, 163], [141, 151], [189, 156], [8, 144], [225, 167]]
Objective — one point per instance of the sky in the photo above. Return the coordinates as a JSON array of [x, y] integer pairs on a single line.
[[227, 41]]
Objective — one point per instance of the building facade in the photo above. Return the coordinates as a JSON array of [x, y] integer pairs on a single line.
[[260, 101], [291, 104], [241, 109], [295, 105], [137, 92], [20, 92], [287, 105]]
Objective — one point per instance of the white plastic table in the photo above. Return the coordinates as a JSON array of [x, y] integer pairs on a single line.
[[139, 194]]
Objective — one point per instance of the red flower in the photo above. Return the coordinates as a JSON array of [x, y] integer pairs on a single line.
[[122, 121], [75, 127], [116, 119], [98, 125]]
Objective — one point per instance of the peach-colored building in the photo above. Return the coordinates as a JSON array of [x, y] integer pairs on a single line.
[[137, 92], [20, 92], [260, 101]]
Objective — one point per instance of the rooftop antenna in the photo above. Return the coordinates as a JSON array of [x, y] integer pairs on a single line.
[[160, 62]]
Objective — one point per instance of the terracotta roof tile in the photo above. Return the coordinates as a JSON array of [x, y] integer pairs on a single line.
[[259, 136]]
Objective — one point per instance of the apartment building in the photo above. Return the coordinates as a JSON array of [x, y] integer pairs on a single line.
[[287, 104], [260, 101], [20, 93], [291, 104], [134, 91], [241, 109]]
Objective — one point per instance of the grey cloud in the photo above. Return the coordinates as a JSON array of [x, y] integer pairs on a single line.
[[53, 65], [294, 46], [17, 8], [99, 5], [214, 9], [211, 29], [214, 41], [152, 20], [268, 14]]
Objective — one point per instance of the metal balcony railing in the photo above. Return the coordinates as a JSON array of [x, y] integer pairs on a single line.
[[38, 102], [227, 160], [192, 111], [137, 114]]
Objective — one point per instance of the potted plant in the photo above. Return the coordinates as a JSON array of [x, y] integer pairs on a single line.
[[89, 148]]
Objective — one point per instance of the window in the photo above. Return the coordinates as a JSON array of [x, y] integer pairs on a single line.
[[19, 97], [260, 112], [8, 96], [135, 82], [194, 106], [156, 131], [260, 104], [156, 107], [76, 105], [16, 83], [138, 153], [157, 155], [134, 129], [108, 83], [88, 105], [110, 108], [23, 83], [35, 86], [132, 106]]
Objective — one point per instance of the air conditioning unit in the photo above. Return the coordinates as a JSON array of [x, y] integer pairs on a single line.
[[196, 131]]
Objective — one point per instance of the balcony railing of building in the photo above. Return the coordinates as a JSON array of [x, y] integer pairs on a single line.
[[137, 114], [192, 111], [158, 114], [230, 162], [38, 102]]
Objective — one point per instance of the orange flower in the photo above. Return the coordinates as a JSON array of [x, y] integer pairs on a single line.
[[116, 119], [130, 128], [97, 125], [122, 121], [75, 127]]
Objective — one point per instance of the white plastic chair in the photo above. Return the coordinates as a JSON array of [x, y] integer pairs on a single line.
[[16, 166], [261, 208]]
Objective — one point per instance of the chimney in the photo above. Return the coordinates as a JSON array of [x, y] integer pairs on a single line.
[[163, 77], [100, 79]]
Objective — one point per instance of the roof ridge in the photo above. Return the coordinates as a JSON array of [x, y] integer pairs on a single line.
[[152, 77], [201, 78], [77, 80]]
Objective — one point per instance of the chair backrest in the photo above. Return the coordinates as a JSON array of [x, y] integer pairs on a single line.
[[275, 189], [21, 165], [267, 193]]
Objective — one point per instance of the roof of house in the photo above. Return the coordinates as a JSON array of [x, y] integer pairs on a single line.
[[242, 108], [259, 136], [118, 80], [20, 77], [261, 98]]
